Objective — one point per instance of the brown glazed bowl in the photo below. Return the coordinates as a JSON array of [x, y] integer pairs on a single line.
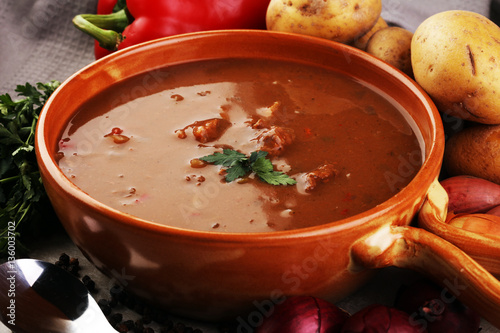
[[214, 276]]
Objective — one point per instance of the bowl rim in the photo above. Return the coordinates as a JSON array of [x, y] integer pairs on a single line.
[[430, 165]]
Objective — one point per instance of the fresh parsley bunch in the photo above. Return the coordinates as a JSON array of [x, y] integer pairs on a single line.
[[23, 201], [239, 165]]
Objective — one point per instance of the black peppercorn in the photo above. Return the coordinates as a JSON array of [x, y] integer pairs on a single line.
[[122, 297], [115, 291], [104, 305], [64, 259], [130, 324], [121, 328], [115, 319], [73, 269], [119, 295], [74, 261], [89, 283], [138, 326]]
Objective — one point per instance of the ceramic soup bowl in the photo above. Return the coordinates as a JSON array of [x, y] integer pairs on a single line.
[[214, 276]]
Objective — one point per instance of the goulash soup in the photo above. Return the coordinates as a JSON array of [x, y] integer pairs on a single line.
[[241, 145]]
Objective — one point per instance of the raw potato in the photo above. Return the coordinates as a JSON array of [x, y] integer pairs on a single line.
[[456, 59], [361, 42], [341, 21], [392, 45], [475, 151]]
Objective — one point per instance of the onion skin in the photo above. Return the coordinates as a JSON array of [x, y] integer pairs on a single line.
[[434, 310], [479, 223], [469, 194], [494, 211], [304, 314], [380, 319]]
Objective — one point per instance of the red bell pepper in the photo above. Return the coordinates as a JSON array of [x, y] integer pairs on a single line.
[[109, 6], [119, 25]]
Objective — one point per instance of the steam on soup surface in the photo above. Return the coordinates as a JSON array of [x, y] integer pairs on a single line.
[[136, 146]]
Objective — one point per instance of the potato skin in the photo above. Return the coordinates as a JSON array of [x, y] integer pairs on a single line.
[[474, 151], [392, 45], [361, 42], [456, 59], [339, 20]]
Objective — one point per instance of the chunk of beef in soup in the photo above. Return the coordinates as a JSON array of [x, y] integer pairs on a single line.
[[206, 130]]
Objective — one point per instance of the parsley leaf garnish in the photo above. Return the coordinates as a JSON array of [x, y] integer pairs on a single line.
[[277, 178], [24, 205], [239, 165], [227, 158], [236, 171]]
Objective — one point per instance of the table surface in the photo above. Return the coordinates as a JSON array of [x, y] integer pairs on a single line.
[[381, 289], [39, 44]]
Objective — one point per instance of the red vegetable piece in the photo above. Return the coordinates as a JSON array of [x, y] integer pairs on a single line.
[[116, 135], [116, 130], [153, 19], [106, 6], [494, 211], [379, 319], [434, 309], [304, 314], [469, 194]]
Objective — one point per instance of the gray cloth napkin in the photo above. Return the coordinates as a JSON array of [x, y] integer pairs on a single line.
[[38, 42], [410, 13]]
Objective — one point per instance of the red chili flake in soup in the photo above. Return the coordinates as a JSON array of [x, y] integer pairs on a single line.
[[117, 136], [341, 143]]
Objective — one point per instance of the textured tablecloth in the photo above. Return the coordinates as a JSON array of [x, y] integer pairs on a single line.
[[38, 43]]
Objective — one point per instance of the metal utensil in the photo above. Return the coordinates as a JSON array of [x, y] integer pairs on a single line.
[[36, 296]]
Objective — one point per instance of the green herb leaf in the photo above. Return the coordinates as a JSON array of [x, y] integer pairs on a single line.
[[254, 156], [24, 206], [227, 158], [262, 165], [276, 178], [239, 165], [236, 171]]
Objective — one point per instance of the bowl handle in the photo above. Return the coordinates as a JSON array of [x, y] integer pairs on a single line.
[[420, 250]]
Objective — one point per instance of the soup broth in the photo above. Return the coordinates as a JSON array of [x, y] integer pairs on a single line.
[[137, 146]]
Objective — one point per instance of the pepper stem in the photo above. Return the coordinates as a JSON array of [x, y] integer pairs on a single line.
[[106, 29]]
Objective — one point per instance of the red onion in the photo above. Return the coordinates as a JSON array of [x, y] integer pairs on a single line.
[[469, 194], [494, 211], [434, 309], [487, 224], [304, 314], [378, 318]]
